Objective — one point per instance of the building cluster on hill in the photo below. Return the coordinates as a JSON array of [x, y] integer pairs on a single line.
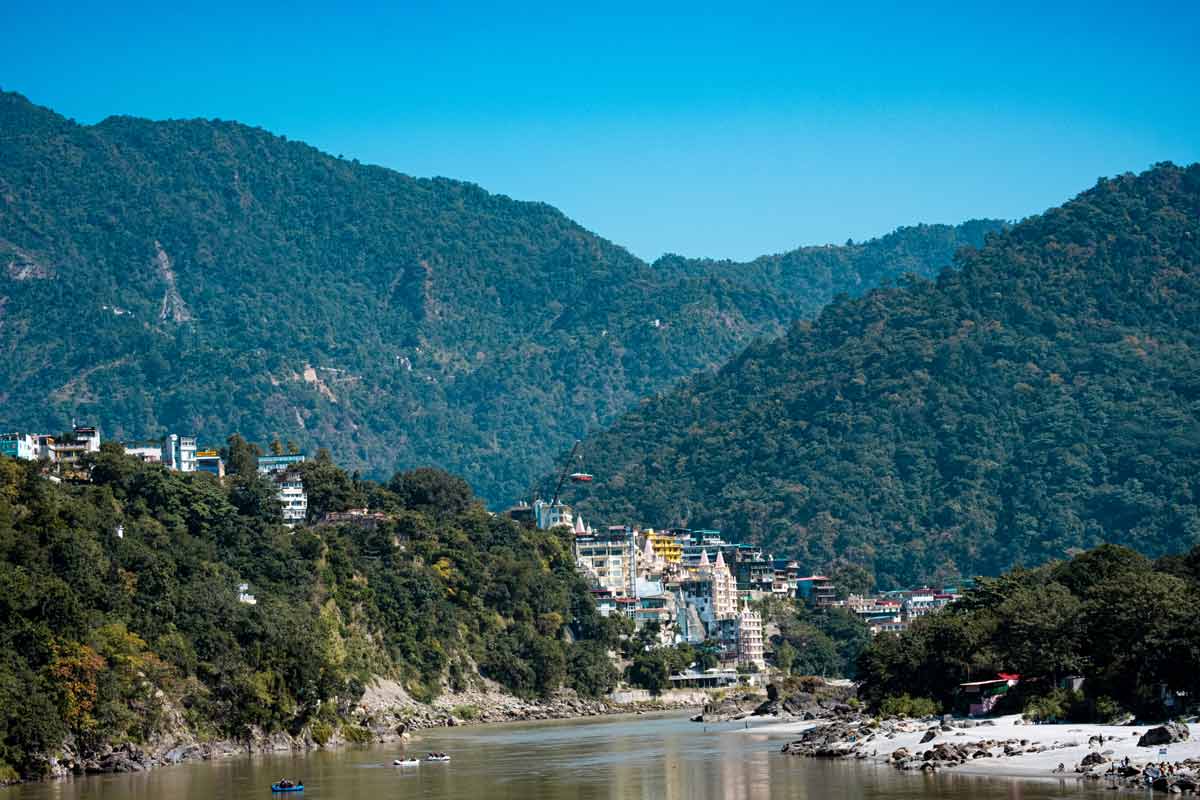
[[893, 612], [60, 450], [61, 454], [698, 587]]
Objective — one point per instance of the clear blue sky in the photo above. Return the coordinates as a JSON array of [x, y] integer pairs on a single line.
[[691, 129]]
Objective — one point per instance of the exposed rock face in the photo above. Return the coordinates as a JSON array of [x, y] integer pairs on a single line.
[[1164, 734], [732, 708], [807, 698]]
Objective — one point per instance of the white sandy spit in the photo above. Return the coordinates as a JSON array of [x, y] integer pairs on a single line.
[[1066, 744]]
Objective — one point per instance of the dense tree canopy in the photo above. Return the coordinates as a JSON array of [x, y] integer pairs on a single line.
[[1043, 398], [219, 278], [1123, 624], [137, 574]]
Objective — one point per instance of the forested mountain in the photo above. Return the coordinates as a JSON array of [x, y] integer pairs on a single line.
[[121, 621], [205, 276], [1043, 397]]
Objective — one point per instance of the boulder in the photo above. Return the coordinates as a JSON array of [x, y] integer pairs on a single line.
[[1091, 759], [929, 736], [1164, 734]]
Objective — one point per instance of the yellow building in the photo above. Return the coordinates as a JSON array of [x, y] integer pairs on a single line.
[[666, 547]]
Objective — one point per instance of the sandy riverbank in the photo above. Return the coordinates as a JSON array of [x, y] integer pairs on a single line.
[[1065, 744]]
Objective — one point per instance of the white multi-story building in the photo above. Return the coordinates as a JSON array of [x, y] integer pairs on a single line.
[[610, 557], [712, 591], [750, 639], [179, 452], [292, 497], [551, 515]]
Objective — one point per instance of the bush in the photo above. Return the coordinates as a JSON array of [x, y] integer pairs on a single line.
[[466, 712], [357, 735], [321, 732], [1105, 709], [907, 706], [1056, 706]]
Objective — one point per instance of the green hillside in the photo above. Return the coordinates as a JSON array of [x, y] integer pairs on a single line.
[[120, 616], [204, 276], [1044, 397]]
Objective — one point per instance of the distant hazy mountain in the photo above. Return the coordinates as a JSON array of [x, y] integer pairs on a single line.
[[204, 276], [1044, 397]]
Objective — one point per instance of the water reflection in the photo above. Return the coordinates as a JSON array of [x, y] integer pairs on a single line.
[[663, 757]]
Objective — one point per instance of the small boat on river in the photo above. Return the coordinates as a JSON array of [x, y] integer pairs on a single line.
[[287, 786], [406, 762], [437, 757]]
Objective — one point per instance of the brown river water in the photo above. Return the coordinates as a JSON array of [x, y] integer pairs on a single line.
[[661, 756]]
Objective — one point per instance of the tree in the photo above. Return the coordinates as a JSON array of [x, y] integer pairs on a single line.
[[432, 491], [651, 670], [785, 657], [591, 671], [241, 457]]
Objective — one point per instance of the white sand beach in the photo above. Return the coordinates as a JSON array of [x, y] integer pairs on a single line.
[[1065, 744]]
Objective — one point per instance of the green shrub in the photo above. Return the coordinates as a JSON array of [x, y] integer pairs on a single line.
[[322, 732], [357, 735], [466, 712], [1105, 709], [907, 706], [1055, 706]]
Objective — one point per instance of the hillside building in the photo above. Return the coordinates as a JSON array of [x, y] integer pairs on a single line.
[[270, 465], [19, 445], [179, 452], [609, 558], [818, 590], [750, 639], [292, 497], [712, 591], [210, 461], [146, 452], [551, 515], [667, 547]]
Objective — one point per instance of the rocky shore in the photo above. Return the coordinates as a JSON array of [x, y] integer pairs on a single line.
[[1162, 757], [795, 699], [386, 713]]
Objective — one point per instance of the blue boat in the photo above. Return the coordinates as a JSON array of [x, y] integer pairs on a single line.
[[275, 787]]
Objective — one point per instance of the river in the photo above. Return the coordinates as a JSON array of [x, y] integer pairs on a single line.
[[660, 756]]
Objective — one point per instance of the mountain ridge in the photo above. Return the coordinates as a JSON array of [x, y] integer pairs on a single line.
[[980, 420], [206, 277]]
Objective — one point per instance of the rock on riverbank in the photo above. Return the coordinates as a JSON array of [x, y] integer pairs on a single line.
[[805, 698], [1008, 746], [386, 713]]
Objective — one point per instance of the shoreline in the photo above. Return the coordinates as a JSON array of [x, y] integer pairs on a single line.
[[1015, 750], [401, 722]]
